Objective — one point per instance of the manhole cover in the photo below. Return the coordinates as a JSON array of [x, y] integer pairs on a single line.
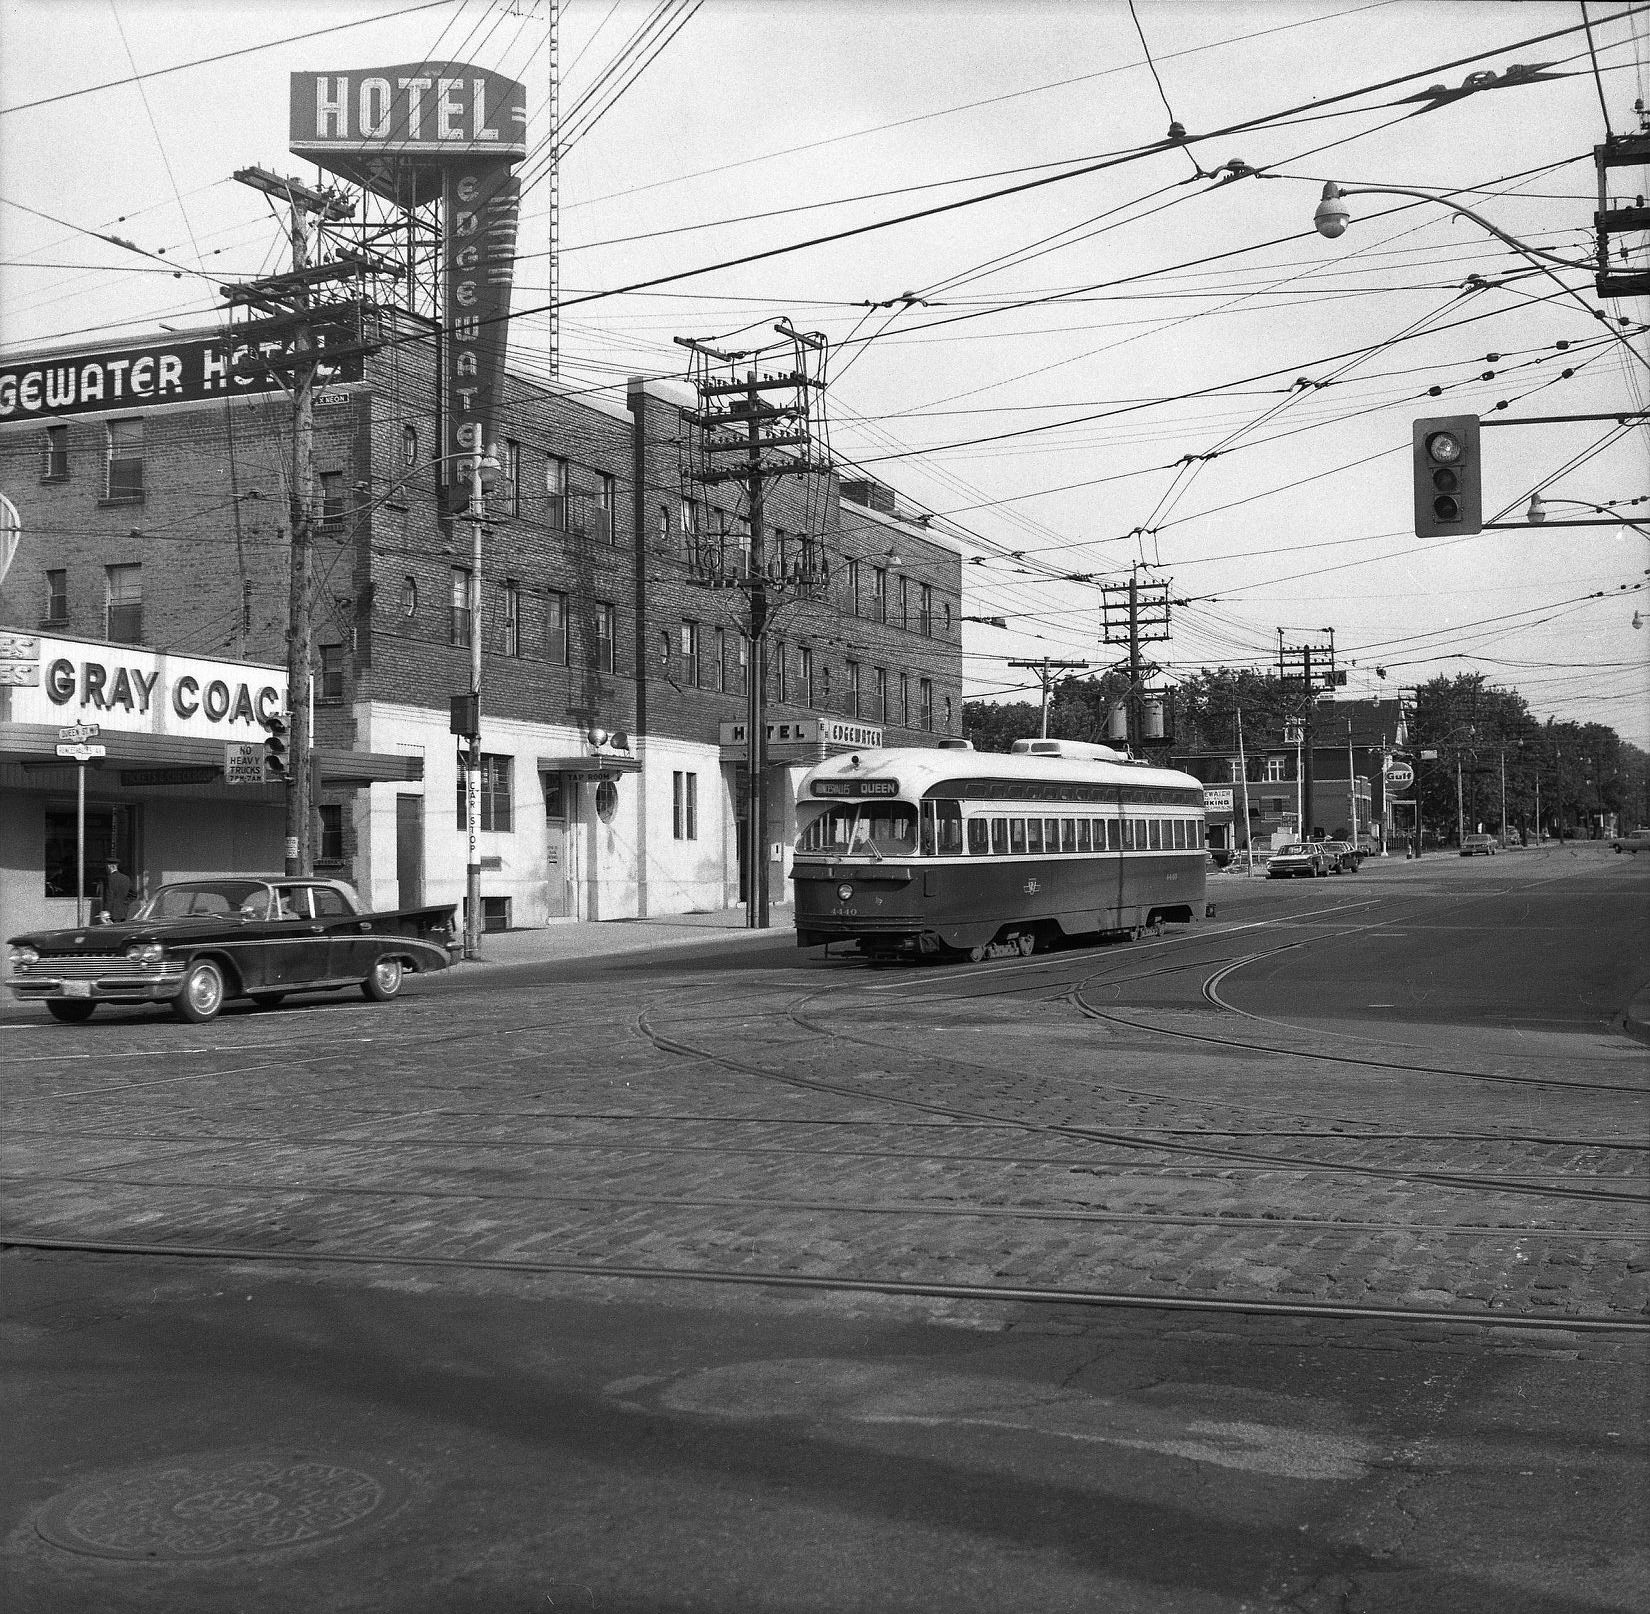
[[213, 1504]]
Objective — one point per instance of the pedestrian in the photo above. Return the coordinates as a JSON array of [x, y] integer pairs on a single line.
[[117, 892]]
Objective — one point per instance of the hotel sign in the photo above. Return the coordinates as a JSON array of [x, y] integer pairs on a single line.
[[142, 377], [411, 133], [812, 731]]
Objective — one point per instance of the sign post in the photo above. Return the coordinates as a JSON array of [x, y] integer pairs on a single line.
[[72, 743]]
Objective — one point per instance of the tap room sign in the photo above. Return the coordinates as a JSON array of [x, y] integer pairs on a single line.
[[128, 689], [414, 133], [128, 378]]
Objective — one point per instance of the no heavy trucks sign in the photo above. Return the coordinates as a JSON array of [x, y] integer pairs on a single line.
[[243, 762]]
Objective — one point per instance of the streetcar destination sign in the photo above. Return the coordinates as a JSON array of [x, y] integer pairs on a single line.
[[856, 787]]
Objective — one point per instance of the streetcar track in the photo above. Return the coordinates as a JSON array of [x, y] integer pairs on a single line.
[[1128, 1140], [1586, 1323]]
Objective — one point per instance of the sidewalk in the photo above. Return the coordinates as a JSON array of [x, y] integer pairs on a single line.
[[597, 938]]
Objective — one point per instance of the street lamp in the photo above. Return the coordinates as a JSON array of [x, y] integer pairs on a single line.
[[483, 471], [1333, 216], [1536, 515]]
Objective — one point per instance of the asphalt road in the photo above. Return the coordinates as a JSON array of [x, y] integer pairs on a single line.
[[1295, 1260]]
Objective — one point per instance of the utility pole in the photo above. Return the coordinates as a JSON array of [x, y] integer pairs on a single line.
[[286, 299], [1046, 671], [1134, 614], [737, 419], [1243, 770], [1305, 655]]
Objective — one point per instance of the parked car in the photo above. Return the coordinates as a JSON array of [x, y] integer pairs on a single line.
[[1303, 857], [196, 944], [1343, 856], [1474, 845], [1637, 840]]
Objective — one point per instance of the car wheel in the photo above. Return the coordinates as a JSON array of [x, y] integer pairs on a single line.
[[384, 982], [71, 1013], [202, 993], [268, 1000]]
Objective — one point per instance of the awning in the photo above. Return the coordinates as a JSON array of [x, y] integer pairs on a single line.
[[585, 765], [36, 744]]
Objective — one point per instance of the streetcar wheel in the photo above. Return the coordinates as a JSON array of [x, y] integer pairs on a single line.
[[1025, 944], [202, 994], [70, 1011], [976, 955]]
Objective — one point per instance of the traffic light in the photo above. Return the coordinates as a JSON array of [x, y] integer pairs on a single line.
[[1448, 498], [277, 765]]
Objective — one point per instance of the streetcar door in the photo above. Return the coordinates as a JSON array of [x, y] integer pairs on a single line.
[[928, 834]]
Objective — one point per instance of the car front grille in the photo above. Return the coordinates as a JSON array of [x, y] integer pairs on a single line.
[[79, 967]]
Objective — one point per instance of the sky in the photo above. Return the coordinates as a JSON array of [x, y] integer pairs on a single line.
[[1144, 361]]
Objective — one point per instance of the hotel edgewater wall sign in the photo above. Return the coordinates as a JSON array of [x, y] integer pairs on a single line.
[[128, 689], [403, 132]]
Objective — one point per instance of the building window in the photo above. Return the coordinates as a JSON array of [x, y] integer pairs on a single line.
[[927, 617], [1275, 767], [685, 806], [332, 832], [511, 618], [810, 557], [853, 689], [690, 653], [57, 598], [879, 593], [555, 493], [905, 602], [332, 672], [332, 501], [853, 586], [409, 596], [738, 686], [945, 610], [825, 688], [125, 440], [690, 522], [905, 700], [780, 668], [779, 554], [607, 622], [512, 476], [496, 810], [605, 503], [409, 445], [925, 700], [1234, 770], [880, 690], [947, 714], [806, 671], [555, 628], [719, 673], [124, 596], [55, 464], [458, 612]]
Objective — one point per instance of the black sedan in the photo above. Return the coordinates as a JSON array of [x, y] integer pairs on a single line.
[[196, 944]]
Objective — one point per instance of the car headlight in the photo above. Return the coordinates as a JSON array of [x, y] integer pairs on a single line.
[[22, 957], [146, 952]]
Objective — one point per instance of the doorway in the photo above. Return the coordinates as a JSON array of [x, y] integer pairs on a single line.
[[409, 851], [560, 851]]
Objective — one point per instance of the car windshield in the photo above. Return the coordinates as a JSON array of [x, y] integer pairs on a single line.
[[206, 899], [1295, 851]]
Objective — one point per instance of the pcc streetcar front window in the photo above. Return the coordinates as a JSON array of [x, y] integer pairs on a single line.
[[881, 828]]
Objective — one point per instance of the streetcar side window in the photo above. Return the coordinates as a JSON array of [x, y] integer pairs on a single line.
[[1083, 844], [1140, 842], [951, 828], [1051, 834], [979, 836], [1113, 828], [1034, 835], [1016, 836], [1180, 834], [999, 835], [1154, 831], [1068, 835]]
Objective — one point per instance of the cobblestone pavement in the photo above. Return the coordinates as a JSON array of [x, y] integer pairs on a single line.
[[1096, 1121]]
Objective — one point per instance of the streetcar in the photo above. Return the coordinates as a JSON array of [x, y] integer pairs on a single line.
[[952, 852]]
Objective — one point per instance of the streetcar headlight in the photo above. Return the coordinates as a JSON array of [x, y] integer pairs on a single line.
[[844, 892], [146, 952], [22, 957]]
